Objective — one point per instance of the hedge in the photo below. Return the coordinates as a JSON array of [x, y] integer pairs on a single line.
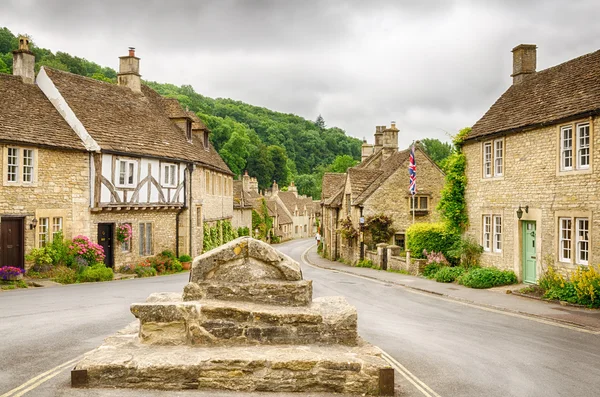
[[431, 237]]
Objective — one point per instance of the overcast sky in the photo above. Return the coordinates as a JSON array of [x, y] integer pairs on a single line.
[[432, 66]]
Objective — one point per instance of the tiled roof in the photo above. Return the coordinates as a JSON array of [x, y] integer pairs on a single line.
[[241, 199], [27, 116], [290, 201], [389, 166], [331, 184], [360, 179], [174, 109], [121, 120], [335, 200], [197, 123], [567, 90]]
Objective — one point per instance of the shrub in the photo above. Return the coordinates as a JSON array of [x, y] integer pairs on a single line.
[[41, 257], [64, 275], [435, 257], [243, 231], [10, 272], [97, 272], [447, 274], [124, 232], [468, 251], [127, 269], [487, 277], [143, 271], [166, 262], [431, 269], [421, 237], [380, 228], [581, 287], [82, 247], [365, 263], [185, 258], [168, 254], [347, 229]]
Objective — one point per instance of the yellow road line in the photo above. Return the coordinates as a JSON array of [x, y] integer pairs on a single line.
[[41, 378], [412, 378]]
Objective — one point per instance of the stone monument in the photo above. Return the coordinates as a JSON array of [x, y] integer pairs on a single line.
[[245, 322]]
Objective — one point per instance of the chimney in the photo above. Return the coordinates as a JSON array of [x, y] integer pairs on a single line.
[[129, 71], [24, 61], [390, 141], [292, 188], [524, 62], [253, 185], [274, 189], [378, 138], [246, 182], [366, 150]]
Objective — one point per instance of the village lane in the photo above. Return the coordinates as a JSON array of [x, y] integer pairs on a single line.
[[454, 349]]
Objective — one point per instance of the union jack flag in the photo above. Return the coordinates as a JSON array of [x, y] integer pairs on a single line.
[[412, 171]]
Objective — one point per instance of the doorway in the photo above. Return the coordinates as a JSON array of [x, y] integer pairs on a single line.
[[12, 242], [105, 239], [529, 252]]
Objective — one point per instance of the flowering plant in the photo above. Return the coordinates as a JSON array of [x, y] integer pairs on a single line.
[[83, 247], [435, 257], [10, 272], [124, 232]]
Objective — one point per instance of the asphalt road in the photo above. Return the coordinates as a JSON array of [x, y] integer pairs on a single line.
[[453, 349]]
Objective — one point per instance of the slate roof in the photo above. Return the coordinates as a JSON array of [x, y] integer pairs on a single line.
[[290, 201], [27, 116], [571, 89], [174, 109], [360, 179], [332, 182], [241, 199], [197, 123], [124, 121], [389, 166]]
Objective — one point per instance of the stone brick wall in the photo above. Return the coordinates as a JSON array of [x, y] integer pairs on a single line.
[[60, 189], [532, 178], [242, 218]]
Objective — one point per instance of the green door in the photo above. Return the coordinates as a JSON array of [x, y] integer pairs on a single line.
[[529, 257]]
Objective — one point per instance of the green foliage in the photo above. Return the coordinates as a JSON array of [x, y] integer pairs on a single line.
[[431, 269], [281, 171], [447, 274], [347, 229], [262, 221], [221, 233], [580, 287], [487, 277], [436, 150], [185, 258], [341, 164], [144, 271], [41, 257], [399, 271], [452, 205], [165, 262], [320, 123], [12, 284], [95, 273], [431, 237], [468, 250], [365, 263], [64, 275], [380, 228], [243, 231]]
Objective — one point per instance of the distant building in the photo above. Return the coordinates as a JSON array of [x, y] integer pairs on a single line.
[[378, 185], [533, 171]]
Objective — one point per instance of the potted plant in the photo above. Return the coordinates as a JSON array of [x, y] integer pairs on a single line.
[[186, 261], [11, 273], [124, 232]]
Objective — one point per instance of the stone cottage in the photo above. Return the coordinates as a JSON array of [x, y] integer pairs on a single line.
[[533, 192], [378, 185], [83, 156]]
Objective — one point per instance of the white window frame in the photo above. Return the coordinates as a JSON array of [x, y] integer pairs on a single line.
[[28, 157], [57, 225], [583, 148], [487, 159], [498, 157], [497, 225], [486, 229], [43, 232], [12, 169], [565, 236], [566, 149], [130, 173], [582, 245], [169, 175]]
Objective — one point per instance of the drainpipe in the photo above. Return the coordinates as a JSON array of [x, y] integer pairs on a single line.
[[191, 168], [177, 218], [335, 252], [362, 237]]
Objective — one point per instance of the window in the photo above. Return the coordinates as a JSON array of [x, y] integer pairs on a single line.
[[348, 204], [565, 239], [205, 140], [487, 229], [498, 157], [487, 160], [583, 146], [126, 245], [188, 130], [582, 241], [57, 226], [127, 173], [13, 164], [296, 229], [399, 240], [207, 181], [497, 233], [43, 233], [27, 165], [420, 203], [145, 239], [169, 177], [566, 148]]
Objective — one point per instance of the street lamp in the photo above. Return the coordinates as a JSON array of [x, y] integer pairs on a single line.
[[520, 211]]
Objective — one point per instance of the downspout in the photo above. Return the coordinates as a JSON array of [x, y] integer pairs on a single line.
[[177, 219], [191, 172], [335, 252]]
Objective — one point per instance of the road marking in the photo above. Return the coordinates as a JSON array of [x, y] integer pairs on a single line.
[[412, 378], [458, 301], [38, 380]]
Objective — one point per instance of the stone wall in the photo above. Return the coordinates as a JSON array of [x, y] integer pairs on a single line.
[[242, 218], [532, 178], [163, 232], [60, 189]]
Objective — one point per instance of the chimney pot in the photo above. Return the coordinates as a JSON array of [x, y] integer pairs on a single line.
[[131, 51], [129, 71], [24, 61]]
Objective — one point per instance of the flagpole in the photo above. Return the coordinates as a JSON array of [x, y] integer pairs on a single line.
[[413, 198]]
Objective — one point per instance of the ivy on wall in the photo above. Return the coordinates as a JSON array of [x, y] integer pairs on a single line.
[[220, 233]]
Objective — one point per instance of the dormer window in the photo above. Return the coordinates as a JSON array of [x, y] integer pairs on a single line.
[[188, 130], [205, 140]]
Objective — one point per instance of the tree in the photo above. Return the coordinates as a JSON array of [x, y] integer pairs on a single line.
[[306, 185], [235, 151], [320, 122], [342, 163], [281, 172], [261, 167], [438, 151]]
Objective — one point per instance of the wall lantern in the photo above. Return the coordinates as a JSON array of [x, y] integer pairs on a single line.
[[33, 223], [520, 211]]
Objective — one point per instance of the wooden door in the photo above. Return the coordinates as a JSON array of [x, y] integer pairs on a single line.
[[105, 239], [529, 252], [12, 240]]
